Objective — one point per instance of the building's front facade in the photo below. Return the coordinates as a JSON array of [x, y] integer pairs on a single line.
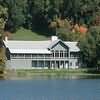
[[42, 54]]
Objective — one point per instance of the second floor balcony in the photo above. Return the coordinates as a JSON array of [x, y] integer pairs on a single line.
[[43, 57]]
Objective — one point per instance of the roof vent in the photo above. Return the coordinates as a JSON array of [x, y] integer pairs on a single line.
[[53, 38]]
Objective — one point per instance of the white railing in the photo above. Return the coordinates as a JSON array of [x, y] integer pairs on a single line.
[[43, 57]]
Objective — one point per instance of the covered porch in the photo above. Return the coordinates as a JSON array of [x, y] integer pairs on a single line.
[[52, 64]]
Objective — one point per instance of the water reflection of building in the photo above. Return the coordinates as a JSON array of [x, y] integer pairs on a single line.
[[53, 53]]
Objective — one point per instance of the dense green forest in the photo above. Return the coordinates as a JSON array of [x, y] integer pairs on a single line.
[[47, 15], [72, 20]]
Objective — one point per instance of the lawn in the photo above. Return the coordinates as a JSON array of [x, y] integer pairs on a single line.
[[50, 73], [24, 34]]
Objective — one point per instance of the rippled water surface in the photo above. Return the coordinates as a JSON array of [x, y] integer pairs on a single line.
[[50, 89]]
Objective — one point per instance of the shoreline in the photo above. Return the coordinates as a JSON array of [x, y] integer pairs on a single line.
[[51, 74]]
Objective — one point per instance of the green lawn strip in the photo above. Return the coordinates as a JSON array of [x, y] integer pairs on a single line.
[[55, 72], [24, 34]]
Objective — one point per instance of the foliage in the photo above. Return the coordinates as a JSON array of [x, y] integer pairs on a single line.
[[90, 47], [3, 19], [2, 58], [38, 14], [16, 13], [66, 35]]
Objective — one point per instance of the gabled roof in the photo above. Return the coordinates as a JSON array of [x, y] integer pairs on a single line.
[[72, 46], [27, 44], [55, 42], [37, 46], [32, 51]]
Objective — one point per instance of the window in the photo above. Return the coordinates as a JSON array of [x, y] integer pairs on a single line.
[[47, 56], [34, 55], [56, 53], [47, 64], [40, 55], [27, 56], [77, 63], [61, 54], [65, 54], [13, 55], [21, 55], [53, 53], [70, 63], [74, 55], [18, 56], [34, 63]]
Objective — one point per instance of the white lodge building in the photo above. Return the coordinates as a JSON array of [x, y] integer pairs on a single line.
[[53, 53]]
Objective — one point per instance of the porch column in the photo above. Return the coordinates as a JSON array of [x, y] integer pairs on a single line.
[[64, 64], [50, 65], [59, 54], [60, 66], [54, 54], [69, 54], [44, 63], [54, 63]]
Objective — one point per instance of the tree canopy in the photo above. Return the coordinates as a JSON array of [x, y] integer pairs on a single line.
[[38, 14], [3, 19], [90, 48]]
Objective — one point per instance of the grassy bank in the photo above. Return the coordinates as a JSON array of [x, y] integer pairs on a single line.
[[58, 71], [24, 34], [51, 73]]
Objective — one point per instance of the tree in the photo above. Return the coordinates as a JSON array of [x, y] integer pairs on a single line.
[[89, 47], [81, 11], [35, 17], [66, 35], [16, 13], [3, 19]]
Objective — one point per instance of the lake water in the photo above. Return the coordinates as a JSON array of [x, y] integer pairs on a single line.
[[50, 89]]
